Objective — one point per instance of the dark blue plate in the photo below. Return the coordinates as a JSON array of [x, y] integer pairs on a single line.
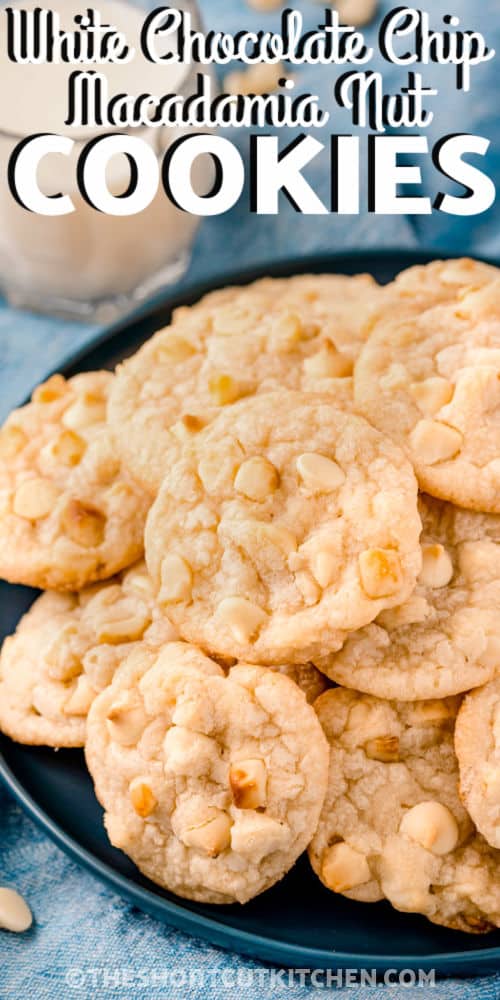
[[298, 923]]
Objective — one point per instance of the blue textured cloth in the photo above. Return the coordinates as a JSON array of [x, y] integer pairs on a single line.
[[81, 925]]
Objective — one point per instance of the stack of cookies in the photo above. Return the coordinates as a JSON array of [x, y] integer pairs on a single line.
[[270, 550]]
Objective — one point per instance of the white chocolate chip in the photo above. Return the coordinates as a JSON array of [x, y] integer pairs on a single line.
[[139, 581], [324, 567], [84, 524], [344, 868], [125, 622], [54, 388], [319, 473], [223, 389], [12, 441], [437, 567], [85, 411], [256, 478], [212, 836], [432, 394], [174, 349], [432, 826], [242, 617], [384, 748], [187, 752], [248, 781], [63, 664], [433, 442], [310, 590], [380, 572], [126, 720], [286, 332], [15, 914], [81, 699], [414, 610], [280, 537], [143, 800], [35, 499], [67, 449], [186, 427], [255, 835], [425, 713], [328, 363], [176, 580]]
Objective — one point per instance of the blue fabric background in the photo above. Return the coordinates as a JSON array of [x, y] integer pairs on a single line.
[[79, 923]]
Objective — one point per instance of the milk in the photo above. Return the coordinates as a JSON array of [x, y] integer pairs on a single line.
[[80, 261]]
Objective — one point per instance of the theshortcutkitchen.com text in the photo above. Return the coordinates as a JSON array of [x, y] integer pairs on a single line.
[[276, 164]]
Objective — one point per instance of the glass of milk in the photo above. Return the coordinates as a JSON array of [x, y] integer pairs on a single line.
[[88, 265]]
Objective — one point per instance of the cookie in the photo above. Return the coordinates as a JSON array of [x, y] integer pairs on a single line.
[[439, 282], [424, 286], [66, 649], [212, 784], [477, 744], [445, 639], [432, 383], [286, 524], [393, 825], [295, 333], [69, 513]]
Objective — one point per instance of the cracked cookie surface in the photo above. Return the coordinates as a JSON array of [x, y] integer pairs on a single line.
[[477, 744], [285, 525], [69, 513], [211, 783], [446, 638], [66, 649], [393, 825], [297, 333], [432, 382]]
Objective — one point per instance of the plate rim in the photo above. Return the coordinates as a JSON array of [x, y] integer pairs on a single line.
[[190, 921], [242, 942]]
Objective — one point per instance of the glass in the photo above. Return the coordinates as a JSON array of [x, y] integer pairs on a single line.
[[88, 265]]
